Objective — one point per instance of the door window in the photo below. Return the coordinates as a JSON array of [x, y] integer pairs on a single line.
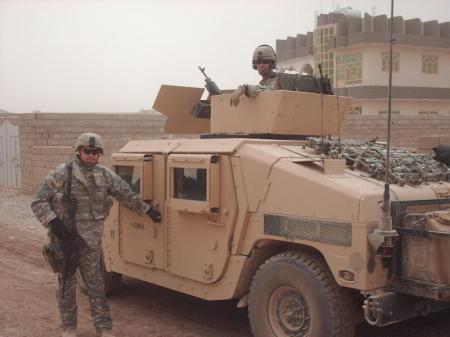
[[132, 175], [190, 183]]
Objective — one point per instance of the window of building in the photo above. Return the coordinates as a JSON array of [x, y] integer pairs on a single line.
[[430, 64], [355, 110], [428, 113], [322, 54], [349, 68], [384, 112], [395, 62], [190, 183], [132, 175]]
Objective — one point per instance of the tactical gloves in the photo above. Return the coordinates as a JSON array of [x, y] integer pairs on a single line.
[[154, 214], [57, 228]]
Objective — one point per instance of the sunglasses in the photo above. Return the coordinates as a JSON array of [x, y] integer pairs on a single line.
[[91, 151]]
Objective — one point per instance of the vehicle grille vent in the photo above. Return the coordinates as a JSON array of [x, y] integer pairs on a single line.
[[338, 233]]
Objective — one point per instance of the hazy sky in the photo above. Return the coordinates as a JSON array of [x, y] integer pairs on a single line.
[[112, 55]]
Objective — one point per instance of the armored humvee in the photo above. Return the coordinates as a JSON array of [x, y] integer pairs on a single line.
[[250, 212]]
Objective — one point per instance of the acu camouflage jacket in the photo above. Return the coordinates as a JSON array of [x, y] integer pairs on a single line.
[[93, 189], [268, 84]]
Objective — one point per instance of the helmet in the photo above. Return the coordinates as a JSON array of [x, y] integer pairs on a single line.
[[307, 69], [266, 53], [89, 140]]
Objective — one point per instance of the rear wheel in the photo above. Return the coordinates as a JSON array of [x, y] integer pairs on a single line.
[[295, 295]]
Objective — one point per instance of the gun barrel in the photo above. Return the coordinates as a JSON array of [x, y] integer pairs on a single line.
[[211, 86], [202, 70]]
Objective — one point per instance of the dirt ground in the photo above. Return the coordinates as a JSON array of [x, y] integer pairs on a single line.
[[28, 304]]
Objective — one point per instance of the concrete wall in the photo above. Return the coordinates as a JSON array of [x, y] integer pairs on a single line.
[[47, 139]]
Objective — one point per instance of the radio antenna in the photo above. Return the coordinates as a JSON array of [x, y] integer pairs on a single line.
[[336, 85], [321, 93], [384, 234]]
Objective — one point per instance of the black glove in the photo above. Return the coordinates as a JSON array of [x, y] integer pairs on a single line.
[[154, 214], [57, 228]]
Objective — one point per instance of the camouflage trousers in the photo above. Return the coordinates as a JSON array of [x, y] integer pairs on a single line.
[[90, 265]]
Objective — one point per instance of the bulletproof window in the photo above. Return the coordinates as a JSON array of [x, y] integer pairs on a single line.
[[132, 175], [190, 183]]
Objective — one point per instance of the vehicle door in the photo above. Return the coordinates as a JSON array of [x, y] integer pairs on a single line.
[[201, 212], [141, 241]]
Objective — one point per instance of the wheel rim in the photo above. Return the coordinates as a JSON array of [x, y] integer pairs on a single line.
[[289, 313]]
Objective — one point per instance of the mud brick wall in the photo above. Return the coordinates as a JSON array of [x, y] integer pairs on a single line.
[[47, 139], [427, 143], [405, 130]]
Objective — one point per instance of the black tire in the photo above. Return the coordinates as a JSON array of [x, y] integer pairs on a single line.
[[111, 281], [295, 295]]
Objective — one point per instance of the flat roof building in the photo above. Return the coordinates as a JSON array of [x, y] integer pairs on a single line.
[[354, 53]]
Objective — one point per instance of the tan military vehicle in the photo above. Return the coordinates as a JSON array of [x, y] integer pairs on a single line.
[[251, 212]]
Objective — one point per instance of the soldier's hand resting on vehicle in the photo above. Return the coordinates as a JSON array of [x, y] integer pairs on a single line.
[[236, 97], [57, 228], [154, 214]]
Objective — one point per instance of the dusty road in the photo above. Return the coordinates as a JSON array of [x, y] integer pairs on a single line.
[[28, 305]]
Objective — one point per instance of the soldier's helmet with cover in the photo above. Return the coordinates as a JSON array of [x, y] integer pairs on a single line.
[[264, 52], [89, 140]]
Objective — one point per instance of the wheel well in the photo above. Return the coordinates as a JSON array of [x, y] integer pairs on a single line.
[[262, 251]]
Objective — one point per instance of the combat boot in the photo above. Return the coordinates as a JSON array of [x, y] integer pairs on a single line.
[[69, 333]]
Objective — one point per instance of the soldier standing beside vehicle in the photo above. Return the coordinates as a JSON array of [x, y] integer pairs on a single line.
[[264, 61], [73, 202]]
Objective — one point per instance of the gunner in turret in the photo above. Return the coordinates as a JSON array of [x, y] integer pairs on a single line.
[[264, 61]]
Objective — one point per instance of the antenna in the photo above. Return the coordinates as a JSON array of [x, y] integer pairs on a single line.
[[383, 236], [321, 92], [336, 86], [386, 199]]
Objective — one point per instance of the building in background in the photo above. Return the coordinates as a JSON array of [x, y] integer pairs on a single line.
[[354, 53]]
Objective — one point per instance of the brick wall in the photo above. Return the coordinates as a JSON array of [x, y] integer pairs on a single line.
[[405, 130], [47, 139]]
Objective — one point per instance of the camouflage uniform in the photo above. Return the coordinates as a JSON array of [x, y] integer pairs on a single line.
[[93, 188], [269, 84]]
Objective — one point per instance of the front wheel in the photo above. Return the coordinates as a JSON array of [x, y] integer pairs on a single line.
[[295, 295]]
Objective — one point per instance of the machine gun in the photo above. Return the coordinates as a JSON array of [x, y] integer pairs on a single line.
[[68, 263], [325, 84], [210, 85], [203, 108]]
